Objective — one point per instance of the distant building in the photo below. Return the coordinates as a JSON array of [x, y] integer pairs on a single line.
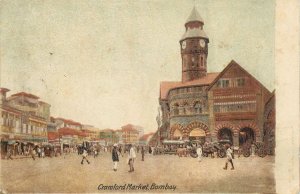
[[144, 140], [92, 132], [140, 130], [62, 122], [109, 136], [23, 118], [130, 134], [119, 134]]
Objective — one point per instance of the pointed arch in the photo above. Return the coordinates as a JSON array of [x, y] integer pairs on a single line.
[[175, 129]]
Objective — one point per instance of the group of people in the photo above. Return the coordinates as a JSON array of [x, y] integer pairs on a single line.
[[229, 155], [116, 152], [131, 157]]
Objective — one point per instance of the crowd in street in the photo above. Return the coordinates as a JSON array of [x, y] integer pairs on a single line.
[[128, 151]]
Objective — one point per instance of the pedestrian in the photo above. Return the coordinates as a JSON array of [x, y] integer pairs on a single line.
[[150, 150], [32, 153], [143, 153], [131, 157], [43, 153], [120, 150], [95, 152], [9, 153], [229, 157], [199, 152], [84, 156], [115, 157], [39, 151]]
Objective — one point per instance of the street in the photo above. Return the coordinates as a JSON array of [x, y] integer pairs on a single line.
[[64, 175]]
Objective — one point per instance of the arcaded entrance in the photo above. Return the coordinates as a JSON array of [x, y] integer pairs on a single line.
[[225, 134], [197, 134], [177, 134], [246, 135]]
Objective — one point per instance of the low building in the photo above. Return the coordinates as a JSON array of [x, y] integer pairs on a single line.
[[109, 136], [145, 139], [130, 134]]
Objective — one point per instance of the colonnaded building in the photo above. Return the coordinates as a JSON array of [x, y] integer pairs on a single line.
[[230, 105]]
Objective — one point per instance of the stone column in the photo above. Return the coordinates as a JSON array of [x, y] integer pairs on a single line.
[[236, 140], [211, 119]]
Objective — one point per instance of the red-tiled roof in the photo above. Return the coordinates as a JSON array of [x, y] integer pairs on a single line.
[[146, 136], [68, 131], [82, 134], [130, 129], [165, 87], [107, 130], [53, 135], [127, 126], [26, 95], [3, 90], [42, 102], [71, 122]]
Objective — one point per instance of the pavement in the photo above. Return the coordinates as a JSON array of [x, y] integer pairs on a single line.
[[160, 173]]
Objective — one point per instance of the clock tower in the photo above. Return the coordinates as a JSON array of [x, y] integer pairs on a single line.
[[194, 48]]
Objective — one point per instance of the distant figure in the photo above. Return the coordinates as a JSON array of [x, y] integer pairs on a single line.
[[32, 153], [131, 157], [115, 157], [9, 153], [84, 156], [120, 150], [143, 153], [150, 150], [199, 152], [229, 157], [39, 152]]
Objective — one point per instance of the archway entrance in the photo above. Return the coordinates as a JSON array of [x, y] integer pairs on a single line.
[[246, 135], [197, 134], [225, 134], [177, 134]]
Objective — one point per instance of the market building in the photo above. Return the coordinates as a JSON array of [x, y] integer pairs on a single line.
[[228, 105]]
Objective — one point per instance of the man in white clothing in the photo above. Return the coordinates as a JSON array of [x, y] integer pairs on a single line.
[[229, 153], [199, 152], [131, 156]]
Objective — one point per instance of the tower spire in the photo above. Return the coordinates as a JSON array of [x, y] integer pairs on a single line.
[[194, 48]]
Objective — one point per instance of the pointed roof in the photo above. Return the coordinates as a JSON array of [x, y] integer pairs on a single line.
[[194, 16], [231, 64], [194, 31]]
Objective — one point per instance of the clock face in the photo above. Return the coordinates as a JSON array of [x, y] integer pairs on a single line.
[[183, 45], [202, 43]]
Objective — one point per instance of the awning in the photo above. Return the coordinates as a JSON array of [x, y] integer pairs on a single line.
[[11, 142]]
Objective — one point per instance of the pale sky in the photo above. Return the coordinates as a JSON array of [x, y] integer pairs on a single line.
[[110, 56]]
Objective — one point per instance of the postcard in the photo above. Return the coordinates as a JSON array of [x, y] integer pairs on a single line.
[[149, 96]]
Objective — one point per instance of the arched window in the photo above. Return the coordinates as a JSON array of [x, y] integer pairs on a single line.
[[185, 108], [201, 61], [175, 109], [198, 108]]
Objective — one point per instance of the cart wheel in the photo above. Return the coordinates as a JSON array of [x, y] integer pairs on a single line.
[[193, 155], [246, 153], [261, 153]]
